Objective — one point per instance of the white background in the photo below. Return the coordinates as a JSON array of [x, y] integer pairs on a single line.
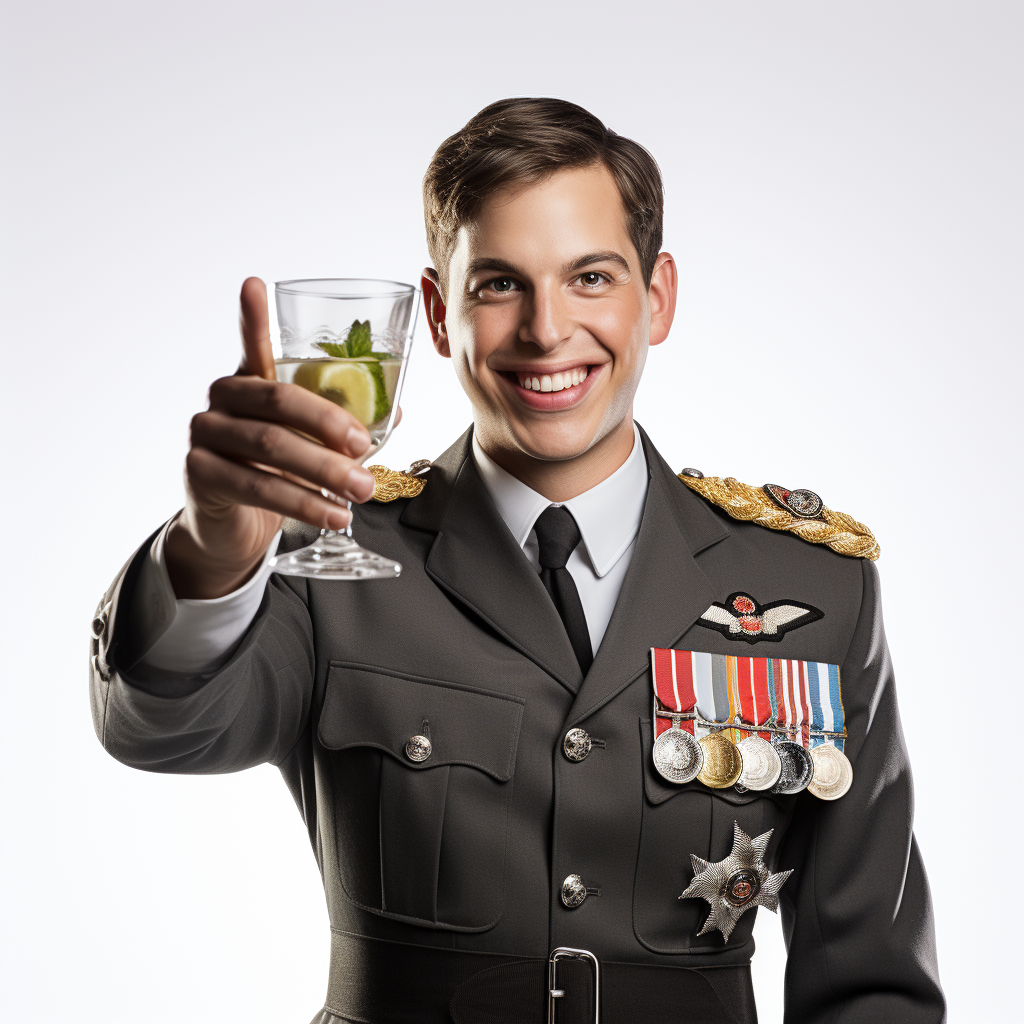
[[843, 200]]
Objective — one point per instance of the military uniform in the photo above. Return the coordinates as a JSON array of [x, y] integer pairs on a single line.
[[421, 725]]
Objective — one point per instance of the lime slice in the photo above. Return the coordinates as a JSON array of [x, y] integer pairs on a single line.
[[357, 385]]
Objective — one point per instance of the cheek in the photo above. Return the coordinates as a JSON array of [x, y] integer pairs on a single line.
[[623, 327], [484, 328]]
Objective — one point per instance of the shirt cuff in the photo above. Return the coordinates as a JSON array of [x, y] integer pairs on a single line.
[[189, 635]]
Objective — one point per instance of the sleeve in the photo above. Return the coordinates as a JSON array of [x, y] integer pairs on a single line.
[[857, 914], [251, 709], [186, 635]]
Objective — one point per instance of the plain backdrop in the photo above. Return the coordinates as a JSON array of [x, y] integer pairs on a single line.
[[843, 201]]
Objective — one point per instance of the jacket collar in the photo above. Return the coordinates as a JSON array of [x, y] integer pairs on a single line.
[[475, 558]]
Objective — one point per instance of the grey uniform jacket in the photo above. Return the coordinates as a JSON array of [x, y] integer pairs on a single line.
[[468, 849]]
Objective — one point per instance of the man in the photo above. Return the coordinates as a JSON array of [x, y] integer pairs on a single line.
[[479, 748]]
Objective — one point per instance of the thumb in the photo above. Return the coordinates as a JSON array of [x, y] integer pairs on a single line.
[[254, 323]]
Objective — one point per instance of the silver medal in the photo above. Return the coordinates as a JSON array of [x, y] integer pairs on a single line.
[[762, 765], [833, 773], [678, 757], [797, 768]]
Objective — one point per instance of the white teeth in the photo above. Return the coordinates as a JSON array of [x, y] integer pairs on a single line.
[[554, 381]]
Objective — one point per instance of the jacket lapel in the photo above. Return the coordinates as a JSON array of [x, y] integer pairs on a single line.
[[476, 560], [664, 591]]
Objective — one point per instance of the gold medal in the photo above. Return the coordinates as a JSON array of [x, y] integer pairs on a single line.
[[833, 773], [723, 763]]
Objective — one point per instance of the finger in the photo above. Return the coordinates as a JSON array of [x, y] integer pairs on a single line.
[[254, 323], [222, 480], [293, 406], [277, 447], [398, 417]]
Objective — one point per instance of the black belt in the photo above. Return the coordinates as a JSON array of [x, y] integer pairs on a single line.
[[380, 982]]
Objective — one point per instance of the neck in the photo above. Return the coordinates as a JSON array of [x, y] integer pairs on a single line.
[[562, 479]]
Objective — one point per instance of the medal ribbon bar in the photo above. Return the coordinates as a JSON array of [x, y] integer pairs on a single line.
[[674, 694], [765, 696]]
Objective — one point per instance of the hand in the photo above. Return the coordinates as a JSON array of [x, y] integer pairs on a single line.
[[247, 468]]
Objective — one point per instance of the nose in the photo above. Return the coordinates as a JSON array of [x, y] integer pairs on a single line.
[[547, 319]]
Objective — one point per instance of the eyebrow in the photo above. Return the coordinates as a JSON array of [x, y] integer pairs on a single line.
[[493, 265], [595, 257]]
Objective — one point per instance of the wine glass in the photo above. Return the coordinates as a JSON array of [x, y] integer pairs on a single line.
[[348, 340]]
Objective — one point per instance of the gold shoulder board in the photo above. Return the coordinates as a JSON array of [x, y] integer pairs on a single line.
[[801, 512], [393, 483]]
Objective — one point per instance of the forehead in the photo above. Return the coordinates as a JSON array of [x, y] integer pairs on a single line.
[[568, 213]]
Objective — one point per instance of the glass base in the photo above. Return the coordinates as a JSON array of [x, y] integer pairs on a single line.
[[335, 556]]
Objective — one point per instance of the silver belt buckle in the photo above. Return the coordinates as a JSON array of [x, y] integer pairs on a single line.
[[555, 993]]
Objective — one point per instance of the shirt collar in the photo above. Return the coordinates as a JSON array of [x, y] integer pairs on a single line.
[[608, 515]]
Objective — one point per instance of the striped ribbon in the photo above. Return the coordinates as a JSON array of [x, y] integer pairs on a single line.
[[804, 695]]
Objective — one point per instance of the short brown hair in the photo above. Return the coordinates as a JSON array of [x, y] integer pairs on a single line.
[[521, 141]]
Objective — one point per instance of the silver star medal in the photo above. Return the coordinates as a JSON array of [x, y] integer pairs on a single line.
[[736, 884]]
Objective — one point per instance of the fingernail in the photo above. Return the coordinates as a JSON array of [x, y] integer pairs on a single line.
[[357, 440], [337, 520], [360, 483]]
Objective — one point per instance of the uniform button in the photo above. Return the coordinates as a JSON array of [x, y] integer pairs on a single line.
[[418, 748], [576, 744], [100, 622], [574, 892]]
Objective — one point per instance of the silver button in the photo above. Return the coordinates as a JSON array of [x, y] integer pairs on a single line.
[[574, 892], [100, 622], [418, 748], [696, 474], [576, 744]]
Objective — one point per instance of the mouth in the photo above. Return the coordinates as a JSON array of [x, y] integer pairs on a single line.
[[553, 390], [546, 382]]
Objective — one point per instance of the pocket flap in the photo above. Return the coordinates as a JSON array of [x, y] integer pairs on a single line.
[[373, 707]]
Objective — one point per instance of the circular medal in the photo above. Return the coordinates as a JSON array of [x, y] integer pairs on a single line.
[[678, 757], [833, 773], [797, 767], [761, 764], [723, 763]]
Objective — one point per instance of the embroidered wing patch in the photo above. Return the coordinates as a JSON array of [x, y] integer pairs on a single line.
[[742, 618]]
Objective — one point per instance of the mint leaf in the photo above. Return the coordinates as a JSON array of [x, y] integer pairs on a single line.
[[358, 342], [332, 349]]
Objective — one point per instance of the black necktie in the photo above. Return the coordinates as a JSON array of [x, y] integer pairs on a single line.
[[557, 537]]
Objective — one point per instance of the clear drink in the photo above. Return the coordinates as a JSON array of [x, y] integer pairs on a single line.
[[364, 386], [347, 340]]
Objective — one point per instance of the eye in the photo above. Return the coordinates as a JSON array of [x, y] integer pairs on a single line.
[[501, 285], [592, 279]]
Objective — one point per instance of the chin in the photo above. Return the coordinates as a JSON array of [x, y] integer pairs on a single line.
[[554, 442]]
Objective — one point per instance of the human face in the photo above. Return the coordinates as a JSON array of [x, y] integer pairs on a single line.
[[547, 317]]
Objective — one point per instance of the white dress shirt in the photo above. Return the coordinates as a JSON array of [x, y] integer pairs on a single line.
[[193, 636]]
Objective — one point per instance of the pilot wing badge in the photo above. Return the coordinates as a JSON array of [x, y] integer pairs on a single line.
[[742, 618]]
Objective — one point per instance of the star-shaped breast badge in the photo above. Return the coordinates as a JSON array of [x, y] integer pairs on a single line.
[[736, 884]]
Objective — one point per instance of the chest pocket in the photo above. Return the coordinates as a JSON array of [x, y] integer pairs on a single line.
[[691, 818], [420, 840]]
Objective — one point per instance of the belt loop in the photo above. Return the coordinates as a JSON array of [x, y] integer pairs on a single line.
[[555, 993]]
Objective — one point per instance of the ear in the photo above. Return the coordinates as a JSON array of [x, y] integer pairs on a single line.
[[662, 294], [434, 303]]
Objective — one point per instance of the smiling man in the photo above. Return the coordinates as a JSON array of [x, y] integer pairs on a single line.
[[606, 711]]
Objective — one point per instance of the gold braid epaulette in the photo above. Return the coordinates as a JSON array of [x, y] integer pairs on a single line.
[[393, 484], [837, 530]]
